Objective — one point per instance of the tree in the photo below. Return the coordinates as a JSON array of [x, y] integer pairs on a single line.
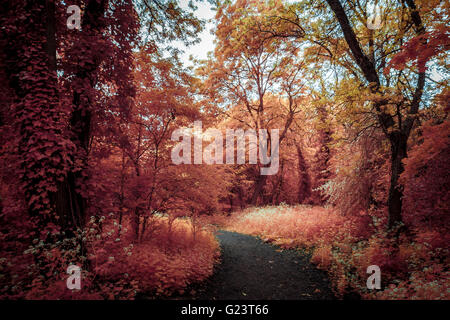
[[359, 56], [397, 135], [247, 68], [30, 70]]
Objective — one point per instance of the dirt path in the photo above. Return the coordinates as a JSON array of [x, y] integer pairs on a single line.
[[252, 269]]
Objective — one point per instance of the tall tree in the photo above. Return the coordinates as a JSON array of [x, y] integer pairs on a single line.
[[396, 131], [30, 68], [247, 68], [359, 57]]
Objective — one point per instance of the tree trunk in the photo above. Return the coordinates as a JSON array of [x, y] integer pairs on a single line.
[[259, 185], [278, 186], [136, 223], [398, 139], [398, 153], [71, 204], [51, 34], [121, 195], [242, 201], [304, 183], [30, 68]]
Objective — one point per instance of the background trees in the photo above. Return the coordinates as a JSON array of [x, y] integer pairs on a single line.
[[366, 85], [247, 69]]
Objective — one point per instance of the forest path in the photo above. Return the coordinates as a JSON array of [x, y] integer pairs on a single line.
[[251, 269]]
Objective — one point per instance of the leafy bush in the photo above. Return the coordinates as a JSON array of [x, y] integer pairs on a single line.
[[159, 265]]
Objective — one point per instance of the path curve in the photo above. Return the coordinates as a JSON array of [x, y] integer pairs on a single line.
[[252, 269]]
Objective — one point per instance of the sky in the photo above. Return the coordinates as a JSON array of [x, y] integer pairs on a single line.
[[200, 50]]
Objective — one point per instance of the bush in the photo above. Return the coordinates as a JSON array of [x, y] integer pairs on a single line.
[[160, 265]]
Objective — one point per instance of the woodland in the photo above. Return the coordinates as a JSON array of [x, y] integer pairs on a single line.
[[88, 113]]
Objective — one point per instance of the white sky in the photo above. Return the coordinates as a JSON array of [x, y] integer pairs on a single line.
[[200, 50]]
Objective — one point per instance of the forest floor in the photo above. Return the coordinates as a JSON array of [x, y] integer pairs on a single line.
[[251, 269]]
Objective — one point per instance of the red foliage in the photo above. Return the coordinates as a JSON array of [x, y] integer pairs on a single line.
[[426, 180], [422, 48]]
